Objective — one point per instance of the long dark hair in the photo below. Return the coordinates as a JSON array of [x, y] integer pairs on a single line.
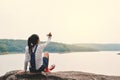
[[32, 41]]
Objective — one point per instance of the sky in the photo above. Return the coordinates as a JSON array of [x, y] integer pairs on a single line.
[[70, 21]]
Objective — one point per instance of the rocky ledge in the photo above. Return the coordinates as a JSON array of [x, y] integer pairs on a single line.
[[65, 75]]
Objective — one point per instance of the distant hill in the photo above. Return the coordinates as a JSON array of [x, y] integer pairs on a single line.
[[101, 47], [10, 45]]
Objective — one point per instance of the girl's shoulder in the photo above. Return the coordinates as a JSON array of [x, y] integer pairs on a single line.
[[40, 45]]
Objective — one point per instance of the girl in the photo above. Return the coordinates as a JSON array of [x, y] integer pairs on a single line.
[[33, 55]]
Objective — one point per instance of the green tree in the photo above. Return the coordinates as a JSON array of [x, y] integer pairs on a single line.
[[3, 48]]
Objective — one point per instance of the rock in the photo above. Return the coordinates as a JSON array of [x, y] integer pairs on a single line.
[[118, 53], [65, 75]]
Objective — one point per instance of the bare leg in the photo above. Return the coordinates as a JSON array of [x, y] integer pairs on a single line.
[[46, 54]]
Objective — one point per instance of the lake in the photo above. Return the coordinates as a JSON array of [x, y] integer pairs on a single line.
[[104, 62]]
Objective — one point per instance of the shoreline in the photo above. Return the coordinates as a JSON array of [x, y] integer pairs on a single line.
[[98, 63]]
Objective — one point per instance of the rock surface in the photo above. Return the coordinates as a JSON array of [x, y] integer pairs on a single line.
[[66, 75]]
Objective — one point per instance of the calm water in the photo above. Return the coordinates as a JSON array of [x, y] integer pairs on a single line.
[[107, 63]]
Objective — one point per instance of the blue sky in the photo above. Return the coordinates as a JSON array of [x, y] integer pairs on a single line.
[[70, 21]]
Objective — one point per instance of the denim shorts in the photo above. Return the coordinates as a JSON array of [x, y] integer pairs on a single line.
[[43, 66]]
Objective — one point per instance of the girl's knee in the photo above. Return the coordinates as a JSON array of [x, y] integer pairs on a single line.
[[46, 54]]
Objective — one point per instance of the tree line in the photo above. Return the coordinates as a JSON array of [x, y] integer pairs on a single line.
[[11, 45]]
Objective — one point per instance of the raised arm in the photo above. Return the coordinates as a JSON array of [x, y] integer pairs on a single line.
[[48, 41]]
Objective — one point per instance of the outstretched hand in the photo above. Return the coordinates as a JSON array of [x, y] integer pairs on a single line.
[[49, 35]]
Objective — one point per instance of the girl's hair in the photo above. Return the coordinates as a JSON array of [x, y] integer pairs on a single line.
[[32, 41]]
